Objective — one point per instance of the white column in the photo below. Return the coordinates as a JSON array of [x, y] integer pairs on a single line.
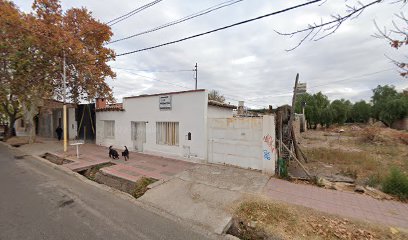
[[269, 151]]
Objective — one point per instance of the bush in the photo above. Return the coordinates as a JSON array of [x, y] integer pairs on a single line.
[[396, 183], [374, 180]]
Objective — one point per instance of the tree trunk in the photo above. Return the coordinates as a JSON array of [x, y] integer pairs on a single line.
[[29, 113], [9, 133]]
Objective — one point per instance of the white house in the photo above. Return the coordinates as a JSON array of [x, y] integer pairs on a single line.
[[184, 125]]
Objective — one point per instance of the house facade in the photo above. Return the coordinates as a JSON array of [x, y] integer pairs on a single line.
[[184, 125], [49, 117]]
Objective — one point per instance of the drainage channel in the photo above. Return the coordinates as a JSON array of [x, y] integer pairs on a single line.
[[56, 159], [94, 173]]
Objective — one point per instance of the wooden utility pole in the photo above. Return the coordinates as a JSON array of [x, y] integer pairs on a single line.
[[291, 119]]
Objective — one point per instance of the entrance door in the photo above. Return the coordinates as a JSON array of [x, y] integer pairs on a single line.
[[138, 135]]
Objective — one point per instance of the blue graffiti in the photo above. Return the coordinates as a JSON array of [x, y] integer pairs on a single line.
[[267, 155]]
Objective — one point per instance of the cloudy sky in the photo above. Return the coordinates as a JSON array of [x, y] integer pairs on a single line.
[[247, 62]]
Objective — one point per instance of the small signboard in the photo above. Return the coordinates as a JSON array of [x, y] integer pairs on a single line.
[[165, 102], [301, 88]]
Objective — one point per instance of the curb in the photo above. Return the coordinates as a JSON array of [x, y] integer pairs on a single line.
[[122, 195]]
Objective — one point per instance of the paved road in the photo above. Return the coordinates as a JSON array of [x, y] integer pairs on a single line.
[[38, 202]]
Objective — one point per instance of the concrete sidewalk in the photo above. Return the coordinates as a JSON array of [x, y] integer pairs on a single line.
[[347, 204], [137, 166]]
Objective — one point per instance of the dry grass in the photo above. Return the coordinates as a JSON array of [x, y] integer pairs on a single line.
[[353, 164], [366, 151], [141, 186], [265, 219]]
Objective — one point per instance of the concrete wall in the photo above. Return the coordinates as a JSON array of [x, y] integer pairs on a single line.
[[219, 112], [188, 108], [240, 142], [269, 153], [20, 130], [401, 124], [72, 124]]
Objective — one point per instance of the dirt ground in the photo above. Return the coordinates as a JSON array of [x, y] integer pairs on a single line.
[[362, 152], [264, 219]]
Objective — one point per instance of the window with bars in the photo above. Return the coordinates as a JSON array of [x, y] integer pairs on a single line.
[[167, 133], [109, 129]]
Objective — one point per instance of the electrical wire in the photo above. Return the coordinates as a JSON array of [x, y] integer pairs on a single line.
[[178, 21], [131, 13], [221, 28], [150, 70]]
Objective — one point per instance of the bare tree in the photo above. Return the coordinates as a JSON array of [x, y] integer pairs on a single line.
[[318, 31], [397, 38], [216, 96]]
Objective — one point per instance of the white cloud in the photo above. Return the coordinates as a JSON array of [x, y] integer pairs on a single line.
[[243, 60], [249, 62]]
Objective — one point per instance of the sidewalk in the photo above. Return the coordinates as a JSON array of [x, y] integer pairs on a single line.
[[137, 166], [347, 204]]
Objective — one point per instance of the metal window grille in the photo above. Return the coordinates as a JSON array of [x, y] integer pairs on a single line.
[[167, 133]]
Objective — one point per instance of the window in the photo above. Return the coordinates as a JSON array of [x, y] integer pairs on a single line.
[[109, 129], [167, 133]]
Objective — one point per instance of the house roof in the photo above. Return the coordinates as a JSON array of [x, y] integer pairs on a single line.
[[168, 93], [220, 104], [110, 109]]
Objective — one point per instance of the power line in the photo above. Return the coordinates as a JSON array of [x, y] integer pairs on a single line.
[[221, 28], [329, 83], [156, 79], [355, 77], [153, 70], [205, 33], [178, 85], [178, 21], [131, 13]]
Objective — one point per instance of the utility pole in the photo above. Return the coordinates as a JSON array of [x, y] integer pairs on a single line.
[[65, 107], [196, 70]]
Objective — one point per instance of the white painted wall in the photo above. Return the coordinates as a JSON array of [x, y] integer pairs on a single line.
[[72, 124], [219, 112], [189, 109], [268, 145], [235, 141], [240, 142]]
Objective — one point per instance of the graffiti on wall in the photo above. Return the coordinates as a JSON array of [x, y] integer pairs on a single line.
[[268, 139], [267, 155]]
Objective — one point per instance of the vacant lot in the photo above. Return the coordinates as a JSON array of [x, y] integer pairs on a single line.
[[264, 219], [365, 153]]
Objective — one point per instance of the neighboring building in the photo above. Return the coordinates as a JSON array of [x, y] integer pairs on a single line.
[[187, 126], [48, 119], [86, 122]]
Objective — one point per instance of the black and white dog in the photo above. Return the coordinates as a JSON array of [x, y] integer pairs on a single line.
[[113, 153], [126, 154]]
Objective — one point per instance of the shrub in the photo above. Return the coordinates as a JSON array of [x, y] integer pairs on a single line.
[[374, 180], [396, 183]]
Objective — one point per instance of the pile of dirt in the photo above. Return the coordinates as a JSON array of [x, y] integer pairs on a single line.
[[18, 141]]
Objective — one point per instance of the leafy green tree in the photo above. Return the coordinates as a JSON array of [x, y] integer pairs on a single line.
[[341, 110], [388, 104], [381, 95], [315, 105], [360, 112], [394, 109], [327, 116]]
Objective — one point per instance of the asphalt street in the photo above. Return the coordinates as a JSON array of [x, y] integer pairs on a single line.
[[39, 202]]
